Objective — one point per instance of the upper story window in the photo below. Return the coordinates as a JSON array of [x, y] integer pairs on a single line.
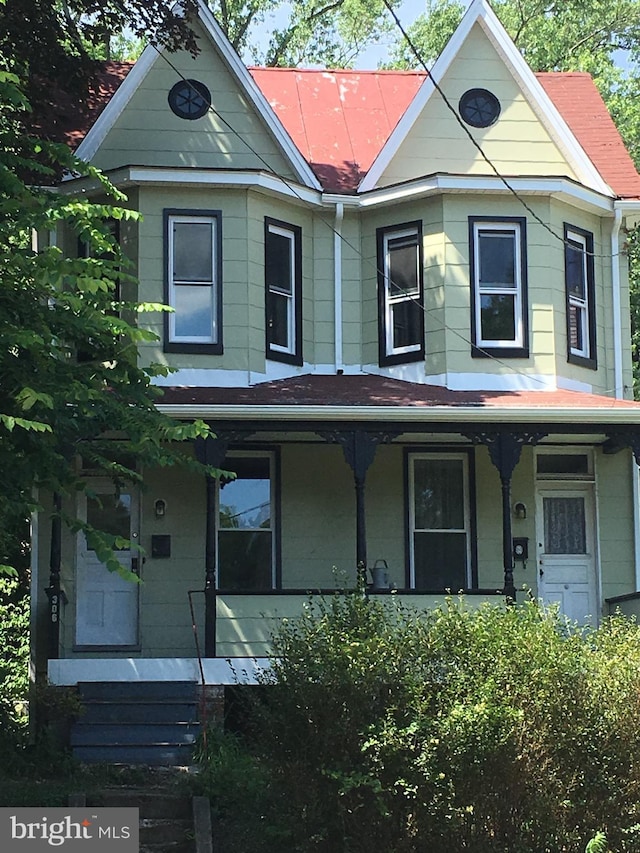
[[499, 286], [579, 282], [193, 243], [400, 294], [283, 291]]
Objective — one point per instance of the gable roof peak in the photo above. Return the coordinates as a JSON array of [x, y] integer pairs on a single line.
[[480, 12]]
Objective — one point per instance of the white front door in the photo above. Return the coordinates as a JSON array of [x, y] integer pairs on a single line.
[[107, 604], [566, 551]]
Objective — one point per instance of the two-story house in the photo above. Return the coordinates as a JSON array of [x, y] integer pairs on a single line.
[[401, 300]]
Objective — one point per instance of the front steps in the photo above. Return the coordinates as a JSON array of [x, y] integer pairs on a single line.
[[142, 722], [170, 822]]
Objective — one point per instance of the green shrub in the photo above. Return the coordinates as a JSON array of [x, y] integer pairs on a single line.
[[496, 730], [14, 666]]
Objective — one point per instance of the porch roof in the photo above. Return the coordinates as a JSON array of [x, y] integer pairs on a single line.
[[370, 397]]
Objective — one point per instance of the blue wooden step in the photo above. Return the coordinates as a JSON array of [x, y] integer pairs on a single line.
[[101, 734], [137, 722], [155, 756], [138, 691], [139, 712]]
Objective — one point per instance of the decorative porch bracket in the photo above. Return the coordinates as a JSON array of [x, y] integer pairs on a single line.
[[505, 449], [212, 451], [359, 448], [618, 441]]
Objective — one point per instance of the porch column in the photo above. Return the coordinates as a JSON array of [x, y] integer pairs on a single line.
[[359, 448], [53, 590], [504, 450], [210, 451]]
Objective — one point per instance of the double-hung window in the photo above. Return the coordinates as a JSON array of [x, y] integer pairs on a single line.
[[193, 243], [283, 291], [400, 294], [440, 520], [246, 523], [499, 286], [579, 282]]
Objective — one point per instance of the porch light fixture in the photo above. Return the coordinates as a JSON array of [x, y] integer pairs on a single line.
[[520, 510], [160, 508]]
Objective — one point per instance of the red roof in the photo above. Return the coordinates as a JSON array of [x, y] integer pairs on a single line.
[[370, 390], [340, 120], [580, 104]]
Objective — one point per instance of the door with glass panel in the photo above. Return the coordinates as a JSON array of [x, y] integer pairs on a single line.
[[566, 551], [106, 603], [439, 519], [246, 540]]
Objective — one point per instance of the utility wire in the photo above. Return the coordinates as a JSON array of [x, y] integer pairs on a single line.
[[379, 272], [474, 141]]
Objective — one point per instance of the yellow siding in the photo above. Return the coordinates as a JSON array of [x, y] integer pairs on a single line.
[[246, 623], [615, 522], [147, 133], [517, 143], [318, 506]]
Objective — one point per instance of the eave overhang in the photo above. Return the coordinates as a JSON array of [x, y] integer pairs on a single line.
[[561, 188], [583, 419]]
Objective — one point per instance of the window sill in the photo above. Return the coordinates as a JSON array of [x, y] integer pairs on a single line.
[[194, 349], [499, 352], [582, 361]]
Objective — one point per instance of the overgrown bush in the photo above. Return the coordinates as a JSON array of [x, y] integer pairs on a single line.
[[14, 666], [490, 730]]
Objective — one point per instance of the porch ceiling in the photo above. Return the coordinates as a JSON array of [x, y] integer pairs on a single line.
[[367, 398]]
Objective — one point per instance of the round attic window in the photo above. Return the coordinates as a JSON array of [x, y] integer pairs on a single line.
[[479, 107], [189, 99]]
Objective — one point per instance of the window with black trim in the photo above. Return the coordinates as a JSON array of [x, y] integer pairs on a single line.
[[440, 521], [400, 294], [579, 282], [283, 291], [498, 266], [193, 247], [246, 523]]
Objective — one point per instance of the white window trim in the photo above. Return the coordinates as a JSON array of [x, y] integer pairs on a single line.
[[213, 338], [464, 458], [290, 235], [515, 291], [249, 454], [582, 305], [565, 451], [390, 299]]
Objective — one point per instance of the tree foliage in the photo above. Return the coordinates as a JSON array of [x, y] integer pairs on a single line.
[[69, 375], [490, 730]]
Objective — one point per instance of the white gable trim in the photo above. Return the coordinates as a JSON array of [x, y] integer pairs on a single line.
[[480, 12], [239, 71], [98, 132]]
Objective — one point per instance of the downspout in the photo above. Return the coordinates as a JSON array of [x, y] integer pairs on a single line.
[[337, 286], [617, 324], [617, 375]]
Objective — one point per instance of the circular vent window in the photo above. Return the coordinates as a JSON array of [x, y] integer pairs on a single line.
[[479, 107], [189, 99]]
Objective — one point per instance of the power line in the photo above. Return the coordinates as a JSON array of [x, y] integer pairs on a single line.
[[292, 189], [474, 141]]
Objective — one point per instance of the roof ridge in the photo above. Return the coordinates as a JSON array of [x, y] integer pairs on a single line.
[[377, 71]]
